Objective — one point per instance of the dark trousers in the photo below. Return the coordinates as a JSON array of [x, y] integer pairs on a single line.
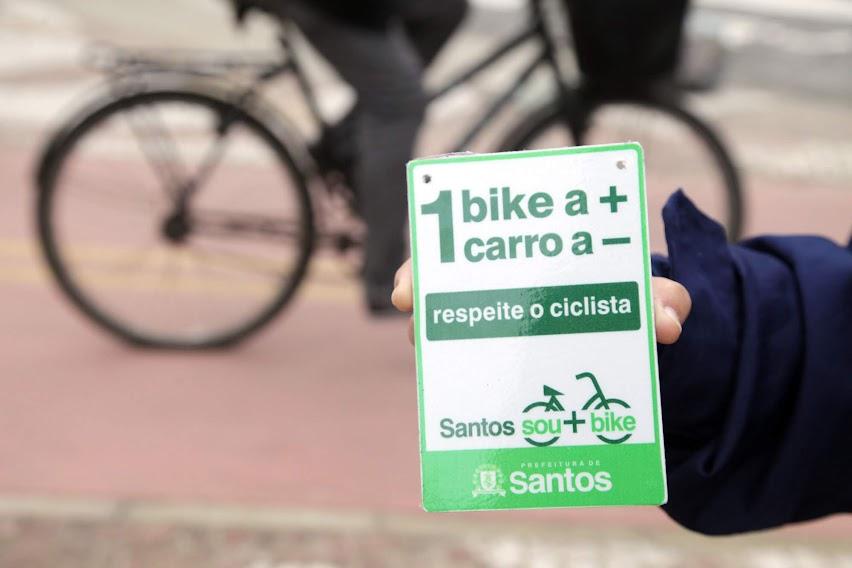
[[384, 67]]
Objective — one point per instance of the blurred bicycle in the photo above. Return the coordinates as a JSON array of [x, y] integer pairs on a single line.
[[178, 209]]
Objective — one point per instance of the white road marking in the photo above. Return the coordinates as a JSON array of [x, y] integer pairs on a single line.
[[834, 11], [821, 10]]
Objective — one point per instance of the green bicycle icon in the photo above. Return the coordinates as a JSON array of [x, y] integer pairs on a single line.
[[552, 404], [600, 401], [597, 401]]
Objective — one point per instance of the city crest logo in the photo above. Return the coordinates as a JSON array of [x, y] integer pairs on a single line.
[[488, 480]]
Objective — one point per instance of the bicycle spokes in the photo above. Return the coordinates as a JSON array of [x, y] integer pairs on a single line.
[[158, 147], [170, 227]]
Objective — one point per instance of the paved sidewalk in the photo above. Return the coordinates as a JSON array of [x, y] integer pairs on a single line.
[[42, 533]]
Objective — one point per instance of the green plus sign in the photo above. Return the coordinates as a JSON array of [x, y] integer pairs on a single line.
[[613, 199], [574, 422]]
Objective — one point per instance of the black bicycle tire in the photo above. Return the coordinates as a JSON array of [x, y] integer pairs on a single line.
[[605, 404], [532, 442], [532, 405], [544, 117], [63, 142]]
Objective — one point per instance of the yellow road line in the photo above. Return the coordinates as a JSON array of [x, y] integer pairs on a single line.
[[18, 248], [20, 263]]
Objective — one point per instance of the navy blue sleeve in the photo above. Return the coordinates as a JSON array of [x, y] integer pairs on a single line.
[[757, 393]]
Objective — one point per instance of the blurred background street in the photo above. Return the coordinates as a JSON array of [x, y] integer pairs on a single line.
[[277, 453]]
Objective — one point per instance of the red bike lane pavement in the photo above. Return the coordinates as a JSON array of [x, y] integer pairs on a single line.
[[319, 411]]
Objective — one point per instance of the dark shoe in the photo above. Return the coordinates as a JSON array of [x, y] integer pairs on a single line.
[[379, 302], [336, 150]]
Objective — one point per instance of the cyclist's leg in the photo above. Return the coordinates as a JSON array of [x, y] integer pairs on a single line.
[[385, 70], [428, 25]]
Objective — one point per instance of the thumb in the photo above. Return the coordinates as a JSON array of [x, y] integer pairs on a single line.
[[672, 305]]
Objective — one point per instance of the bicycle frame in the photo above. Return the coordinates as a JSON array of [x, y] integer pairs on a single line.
[[598, 392], [545, 56], [121, 64]]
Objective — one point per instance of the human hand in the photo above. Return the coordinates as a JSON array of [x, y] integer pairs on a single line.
[[671, 304]]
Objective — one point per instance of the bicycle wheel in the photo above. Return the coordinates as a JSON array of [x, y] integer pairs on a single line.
[[531, 441], [605, 405], [680, 151], [173, 218]]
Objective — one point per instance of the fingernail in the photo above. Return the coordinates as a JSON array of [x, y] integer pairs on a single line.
[[670, 311]]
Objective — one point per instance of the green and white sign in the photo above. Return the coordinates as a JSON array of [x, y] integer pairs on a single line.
[[536, 359]]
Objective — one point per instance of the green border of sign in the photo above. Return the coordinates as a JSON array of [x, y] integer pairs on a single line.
[[655, 394]]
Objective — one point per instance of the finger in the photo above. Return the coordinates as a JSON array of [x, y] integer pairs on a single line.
[[402, 292], [672, 305]]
